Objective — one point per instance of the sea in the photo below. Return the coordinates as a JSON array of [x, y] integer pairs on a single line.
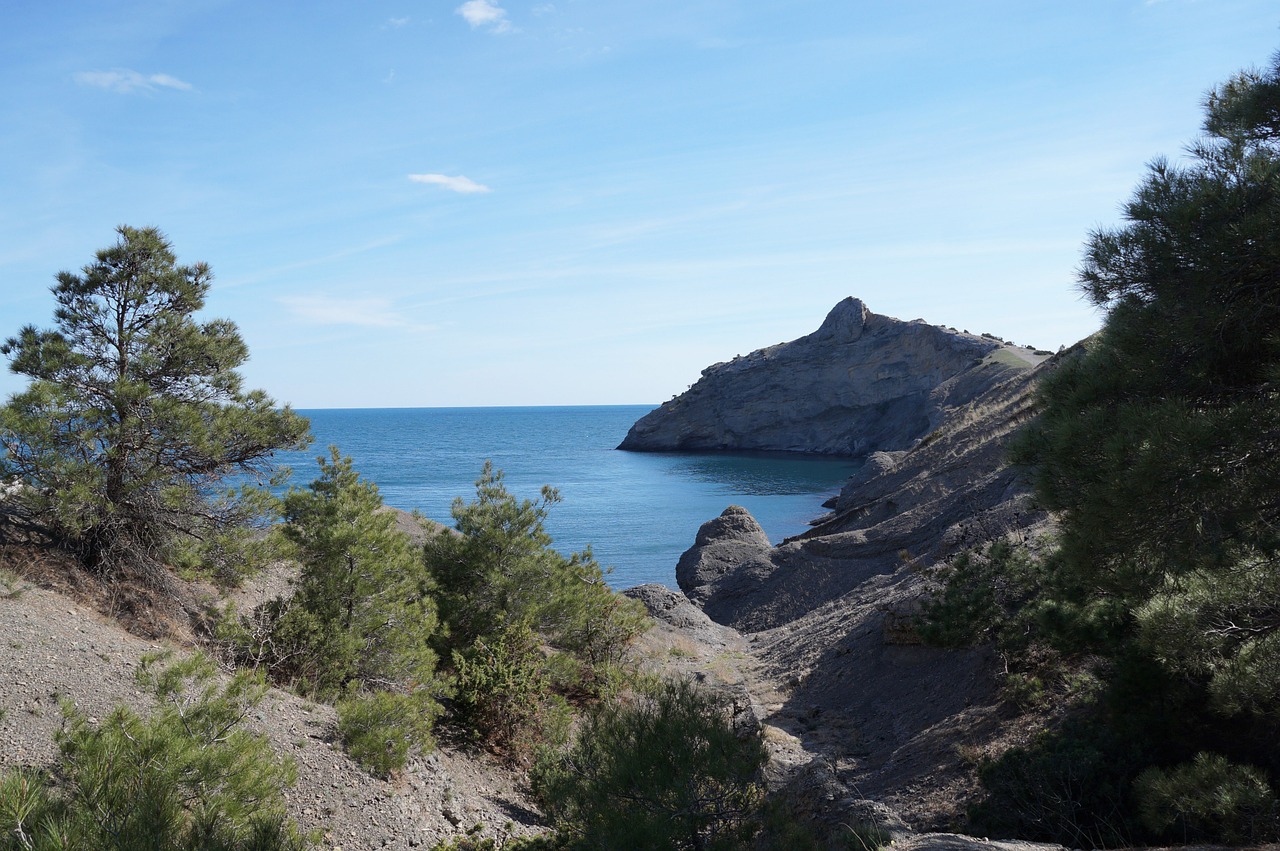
[[637, 511]]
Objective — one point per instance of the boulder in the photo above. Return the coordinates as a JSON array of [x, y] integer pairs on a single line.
[[675, 610], [721, 545]]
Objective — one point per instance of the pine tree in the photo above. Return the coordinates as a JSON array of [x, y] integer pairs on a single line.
[[362, 612], [1161, 447], [188, 776], [500, 569], [135, 411]]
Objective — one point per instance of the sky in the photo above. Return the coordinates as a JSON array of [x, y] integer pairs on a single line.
[[499, 202]]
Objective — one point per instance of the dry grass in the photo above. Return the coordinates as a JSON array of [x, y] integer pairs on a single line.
[[151, 604]]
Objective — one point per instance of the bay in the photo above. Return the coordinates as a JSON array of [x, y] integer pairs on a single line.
[[637, 510]]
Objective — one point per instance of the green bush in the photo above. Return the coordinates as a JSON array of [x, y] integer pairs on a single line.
[[666, 770], [1070, 786], [1208, 798], [981, 597], [524, 626], [503, 694], [500, 568], [188, 777], [378, 729], [362, 612]]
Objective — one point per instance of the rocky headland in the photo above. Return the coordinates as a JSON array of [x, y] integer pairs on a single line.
[[864, 723], [862, 382], [812, 638]]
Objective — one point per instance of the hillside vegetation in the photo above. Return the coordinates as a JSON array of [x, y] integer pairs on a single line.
[[1154, 611], [1158, 448], [115, 457]]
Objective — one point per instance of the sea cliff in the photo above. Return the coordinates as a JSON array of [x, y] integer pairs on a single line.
[[832, 668], [862, 382]]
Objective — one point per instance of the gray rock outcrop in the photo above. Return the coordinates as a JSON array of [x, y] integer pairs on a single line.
[[674, 609], [835, 666], [727, 542], [861, 382]]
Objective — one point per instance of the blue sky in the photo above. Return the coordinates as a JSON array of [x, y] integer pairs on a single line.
[[496, 202]]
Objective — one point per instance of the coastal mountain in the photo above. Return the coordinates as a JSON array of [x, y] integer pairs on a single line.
[[862, 382], [812, 638], [833, 668]]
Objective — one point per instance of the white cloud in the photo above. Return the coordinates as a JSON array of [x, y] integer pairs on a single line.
[[465, 185], [362, 312], [397, 23], [485, 13], [124, 81]]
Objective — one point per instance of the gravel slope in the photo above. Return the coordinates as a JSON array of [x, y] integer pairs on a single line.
[[55, 648]]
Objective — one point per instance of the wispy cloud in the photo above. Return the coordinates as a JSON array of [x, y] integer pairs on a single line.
[[125, 81], [397, 23], [465, 185], [360, 312], [486, 14]]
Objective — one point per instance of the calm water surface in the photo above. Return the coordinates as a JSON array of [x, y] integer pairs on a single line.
[[637, 511]]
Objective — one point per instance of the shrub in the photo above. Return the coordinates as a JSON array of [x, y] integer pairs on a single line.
[[981, 598], [362, 612], [188, 777], [1070, 786], [1208, 798], [665, 770], [525, 627], [504, 696], [378, 729], [500, 568]]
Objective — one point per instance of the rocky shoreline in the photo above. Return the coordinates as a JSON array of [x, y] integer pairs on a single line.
[[813, 637], [835, 672]]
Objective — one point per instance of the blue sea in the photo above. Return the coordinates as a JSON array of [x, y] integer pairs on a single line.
[[637, 511]]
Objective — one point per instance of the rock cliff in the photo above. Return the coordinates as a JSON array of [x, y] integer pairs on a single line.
[[861, 382], [834, 669]]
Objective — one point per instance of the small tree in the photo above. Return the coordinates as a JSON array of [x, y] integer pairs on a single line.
[[135, 410], [524, 625], [189, 776], [362, 613], [665, 771], [360, 624], [500, 568]]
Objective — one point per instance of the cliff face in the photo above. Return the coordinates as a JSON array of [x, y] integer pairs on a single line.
[[902, 512], [861, 382], [834, 670]]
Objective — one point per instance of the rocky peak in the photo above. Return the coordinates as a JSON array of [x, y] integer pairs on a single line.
[[844, 324], [862, 382]]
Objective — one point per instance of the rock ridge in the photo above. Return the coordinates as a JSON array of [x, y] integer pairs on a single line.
[[860, 383], [835, 664]]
